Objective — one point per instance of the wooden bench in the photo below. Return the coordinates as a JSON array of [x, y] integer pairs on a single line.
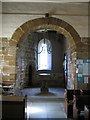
[[87, 112], [13, 107], [81, 102], [70, 98]]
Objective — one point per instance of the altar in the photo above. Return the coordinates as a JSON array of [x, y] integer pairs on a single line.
[[44, 85]]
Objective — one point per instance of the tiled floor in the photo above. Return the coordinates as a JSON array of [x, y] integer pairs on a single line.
[[48, 105]]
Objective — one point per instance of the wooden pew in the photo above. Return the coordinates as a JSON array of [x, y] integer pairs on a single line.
[[87, 112], [70, 103], [70, 99], [13, 107], [81, 102], [86, 92]]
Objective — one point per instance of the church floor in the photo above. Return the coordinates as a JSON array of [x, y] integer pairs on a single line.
[[45, 105], [51, 109], [36, 93]]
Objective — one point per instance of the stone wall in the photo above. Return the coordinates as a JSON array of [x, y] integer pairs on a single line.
[[26, 56], [8, 58], [8, 61], [83, 56], [83, 48], [77, 48], [73, 57]]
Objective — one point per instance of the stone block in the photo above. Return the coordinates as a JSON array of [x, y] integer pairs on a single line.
[[0, 48], [6, 57], [30, 25], [12, 51], [0, 78], [7, 82], [12, 76], [82, 47], [12, 62], [82, 55], [63, 25], [1, 57], [24, 27], [5, 69], [0, 44], [4, 50], [12, 42], [4, 63], [5, 42], [0, 51], [8, 70], [5, 77], [18, 33]]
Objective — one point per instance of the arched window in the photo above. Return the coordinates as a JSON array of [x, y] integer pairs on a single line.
[[44, 55]]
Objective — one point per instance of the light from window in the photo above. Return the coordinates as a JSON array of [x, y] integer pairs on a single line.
[[44, 55]]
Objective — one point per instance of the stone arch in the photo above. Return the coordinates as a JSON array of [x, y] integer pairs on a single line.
[[52, 23]]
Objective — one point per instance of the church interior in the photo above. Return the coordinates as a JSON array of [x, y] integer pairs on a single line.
[[44, 59]]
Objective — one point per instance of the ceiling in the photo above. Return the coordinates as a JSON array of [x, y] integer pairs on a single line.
[[40, 8], [17, 12], [45, 1]]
